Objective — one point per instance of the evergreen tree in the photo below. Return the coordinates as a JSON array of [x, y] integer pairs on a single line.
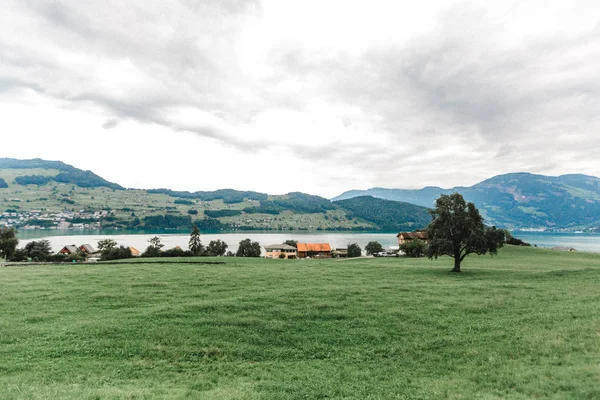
[[195, 244]]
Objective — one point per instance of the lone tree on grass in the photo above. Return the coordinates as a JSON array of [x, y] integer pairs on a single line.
[[457, 230]]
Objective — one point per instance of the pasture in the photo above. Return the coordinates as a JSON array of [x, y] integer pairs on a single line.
[[522, 325]]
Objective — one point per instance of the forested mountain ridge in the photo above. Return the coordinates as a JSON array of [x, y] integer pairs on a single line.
[[39, 194], [517, 200], [66, 173]]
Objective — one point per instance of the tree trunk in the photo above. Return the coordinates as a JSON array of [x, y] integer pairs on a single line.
[[456, 265]]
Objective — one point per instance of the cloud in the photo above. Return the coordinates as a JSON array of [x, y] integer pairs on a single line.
[[111, 123], [437, 93]]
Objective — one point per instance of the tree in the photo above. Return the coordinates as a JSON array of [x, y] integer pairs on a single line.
[[290, 242], [154, 249], [457, 230], [216, 248], [373, 248], [38, 250], [116, 253], [195, 244], [248, 249], [156, 242], [106, 244], [354, 250], [8, 242], [414, 248]]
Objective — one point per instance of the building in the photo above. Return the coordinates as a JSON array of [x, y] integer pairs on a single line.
[[276, 250], [135, 252], [314, 250], [340, 253], [69, 249], [403, 237], [87, 249]]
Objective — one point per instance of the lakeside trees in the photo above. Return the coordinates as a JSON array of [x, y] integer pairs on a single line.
[[248, 248], [373, 248], [216, 248], [195, 244], [8, 242], [457, 230], [354, 250]]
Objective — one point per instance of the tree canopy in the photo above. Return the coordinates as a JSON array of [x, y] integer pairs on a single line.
[[248, 248], [373, 248], [195, 244], [8, 242], [457, 230], [216, 248], [354, 250]]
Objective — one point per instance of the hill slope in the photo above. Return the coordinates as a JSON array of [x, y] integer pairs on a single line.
[[39, 194], [387, 214], [517, 200], [65, 173]]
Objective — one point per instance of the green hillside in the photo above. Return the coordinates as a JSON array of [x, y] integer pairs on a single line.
[[388, 215], [42, 194]]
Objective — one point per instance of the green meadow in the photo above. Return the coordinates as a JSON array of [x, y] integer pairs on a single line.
[[522, 325]]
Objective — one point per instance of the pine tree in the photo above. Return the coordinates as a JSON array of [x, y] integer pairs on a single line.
[[195, 244]]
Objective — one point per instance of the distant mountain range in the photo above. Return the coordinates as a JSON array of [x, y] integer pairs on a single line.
[[36, 194], [516, 200], [31, 189]]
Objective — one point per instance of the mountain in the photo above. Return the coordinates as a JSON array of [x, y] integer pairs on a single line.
[[517, 200], [39, 194], [65, 173], [387, 214]]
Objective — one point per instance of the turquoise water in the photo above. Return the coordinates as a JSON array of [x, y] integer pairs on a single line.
[[580, 241], [589, 242]]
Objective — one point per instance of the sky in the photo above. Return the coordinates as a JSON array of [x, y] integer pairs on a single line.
[[314, 96]]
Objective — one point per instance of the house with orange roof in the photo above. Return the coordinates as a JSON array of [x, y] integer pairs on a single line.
[[320, 250]]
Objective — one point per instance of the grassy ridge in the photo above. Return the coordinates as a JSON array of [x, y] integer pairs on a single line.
[[521, 325]]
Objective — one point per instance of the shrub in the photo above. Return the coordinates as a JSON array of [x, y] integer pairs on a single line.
[[354, 250], [414, 248]]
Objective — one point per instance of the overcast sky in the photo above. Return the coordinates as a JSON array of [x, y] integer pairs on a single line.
[[314, 96]]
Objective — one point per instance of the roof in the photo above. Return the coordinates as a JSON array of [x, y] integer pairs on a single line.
[[279, 247], [134, 251], [72, 249], [87, 248], [413, 235], [314, 247]]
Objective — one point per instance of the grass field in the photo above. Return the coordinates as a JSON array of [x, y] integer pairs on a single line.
[[523, 325]]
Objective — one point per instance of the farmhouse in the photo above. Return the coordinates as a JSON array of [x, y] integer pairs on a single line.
[[87, 249], [275, 251], [69, 249], [403, 237], [321, 250]]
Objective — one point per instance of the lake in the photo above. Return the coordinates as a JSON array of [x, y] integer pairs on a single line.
[[581, 241]]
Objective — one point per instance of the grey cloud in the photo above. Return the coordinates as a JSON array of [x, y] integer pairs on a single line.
[[109, 124]]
